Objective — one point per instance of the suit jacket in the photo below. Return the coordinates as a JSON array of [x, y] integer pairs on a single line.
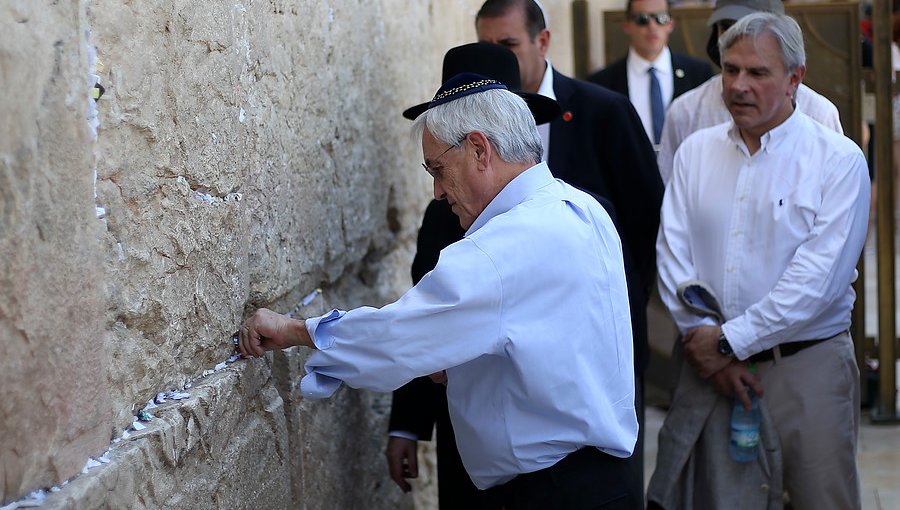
[[693, 73], [600, 146]]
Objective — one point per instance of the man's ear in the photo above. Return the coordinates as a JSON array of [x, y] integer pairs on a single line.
[[482, 148], [796, 78], [543, 41]]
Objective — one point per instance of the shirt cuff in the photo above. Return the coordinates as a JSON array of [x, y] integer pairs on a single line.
[[404, 434], [741, 342], [316, 386], [313, 324]]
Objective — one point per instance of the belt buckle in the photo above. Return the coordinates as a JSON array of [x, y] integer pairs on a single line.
[[776, 353]]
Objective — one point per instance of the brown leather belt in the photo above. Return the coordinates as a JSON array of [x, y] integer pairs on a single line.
[[786, 349]]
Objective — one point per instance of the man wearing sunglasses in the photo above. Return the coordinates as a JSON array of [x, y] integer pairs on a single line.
[[651, 75]]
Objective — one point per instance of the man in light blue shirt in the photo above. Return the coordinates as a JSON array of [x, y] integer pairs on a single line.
[[528, 314]]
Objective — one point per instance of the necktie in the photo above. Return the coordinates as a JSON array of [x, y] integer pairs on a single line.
[[656, 106]]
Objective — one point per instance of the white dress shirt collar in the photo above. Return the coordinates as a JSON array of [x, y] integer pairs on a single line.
[[546, 90], [518, 189], [662, 63], [771, 139]]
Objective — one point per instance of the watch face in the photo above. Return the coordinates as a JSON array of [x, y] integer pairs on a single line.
[[724, 347]]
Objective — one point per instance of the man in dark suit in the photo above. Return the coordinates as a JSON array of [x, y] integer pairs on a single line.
[[597, 144], [651, 75]]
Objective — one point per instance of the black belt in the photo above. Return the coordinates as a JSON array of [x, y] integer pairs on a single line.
[[786, 349]]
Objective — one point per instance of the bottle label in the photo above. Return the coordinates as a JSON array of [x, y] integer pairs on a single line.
[[744, 438]]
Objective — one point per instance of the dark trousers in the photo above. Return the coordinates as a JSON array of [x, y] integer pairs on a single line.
[[586, 479]]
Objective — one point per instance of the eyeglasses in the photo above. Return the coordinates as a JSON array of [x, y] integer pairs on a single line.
[[435, 173], [642, 19]]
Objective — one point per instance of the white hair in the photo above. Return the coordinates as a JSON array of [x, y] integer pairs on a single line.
[[502, 116], [785, 30]]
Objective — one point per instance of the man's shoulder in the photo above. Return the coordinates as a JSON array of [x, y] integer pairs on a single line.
[[711, 135], [691, 99], [818, 107], [586, 93], [607, 76], [693, 64], [817, 132]]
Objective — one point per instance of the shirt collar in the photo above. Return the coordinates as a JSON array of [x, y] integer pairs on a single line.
[[546, 88], [517, 191], [771, 139], [662, 63]]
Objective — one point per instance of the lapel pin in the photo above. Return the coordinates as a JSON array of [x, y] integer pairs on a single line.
[[567, 116], [679, 73]]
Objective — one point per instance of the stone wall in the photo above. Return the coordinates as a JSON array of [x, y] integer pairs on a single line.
[[248, 152]]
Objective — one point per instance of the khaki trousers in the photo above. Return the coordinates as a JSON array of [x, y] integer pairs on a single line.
[[813, 398]]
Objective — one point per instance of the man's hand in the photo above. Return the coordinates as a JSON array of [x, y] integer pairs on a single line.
[[266, 330], [439, 377], [402, 461], [732, 381], [701, 346]]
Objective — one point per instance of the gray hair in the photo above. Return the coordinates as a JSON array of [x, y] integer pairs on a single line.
[[785, 30], [502, 116]]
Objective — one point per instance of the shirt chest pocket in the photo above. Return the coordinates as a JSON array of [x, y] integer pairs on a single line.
[[793, 211]]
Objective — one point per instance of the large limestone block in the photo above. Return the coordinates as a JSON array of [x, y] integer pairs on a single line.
[[54, 409], [248, 151]]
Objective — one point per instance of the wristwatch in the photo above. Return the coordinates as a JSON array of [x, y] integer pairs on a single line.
[[725, 347]]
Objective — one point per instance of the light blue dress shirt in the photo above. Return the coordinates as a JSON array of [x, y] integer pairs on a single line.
[[529, 316]]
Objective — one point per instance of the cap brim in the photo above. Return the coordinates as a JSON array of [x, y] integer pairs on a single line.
[[413, 112], [542, 108], [732, 12]]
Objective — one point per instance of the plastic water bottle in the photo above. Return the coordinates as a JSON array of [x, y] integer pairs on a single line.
[[745, 429]]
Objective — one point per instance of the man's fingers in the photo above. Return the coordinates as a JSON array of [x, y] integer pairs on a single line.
[[412, 465], [741, 393], [243, 345], [249, 340], [755, 383], [398, 457]]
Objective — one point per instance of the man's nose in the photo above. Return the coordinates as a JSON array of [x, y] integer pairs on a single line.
[[739, 83], [439, 193]]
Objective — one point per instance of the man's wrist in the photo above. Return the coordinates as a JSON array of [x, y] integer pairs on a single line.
[[301, 334], [725, 347], [403, 434]]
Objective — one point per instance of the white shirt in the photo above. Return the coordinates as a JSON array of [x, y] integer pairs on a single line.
[[703, 107], [638, 70], [528, 314], [776, 235], [546, 90]]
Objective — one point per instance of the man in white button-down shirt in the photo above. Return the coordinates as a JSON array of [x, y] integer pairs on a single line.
[[770, 210]]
